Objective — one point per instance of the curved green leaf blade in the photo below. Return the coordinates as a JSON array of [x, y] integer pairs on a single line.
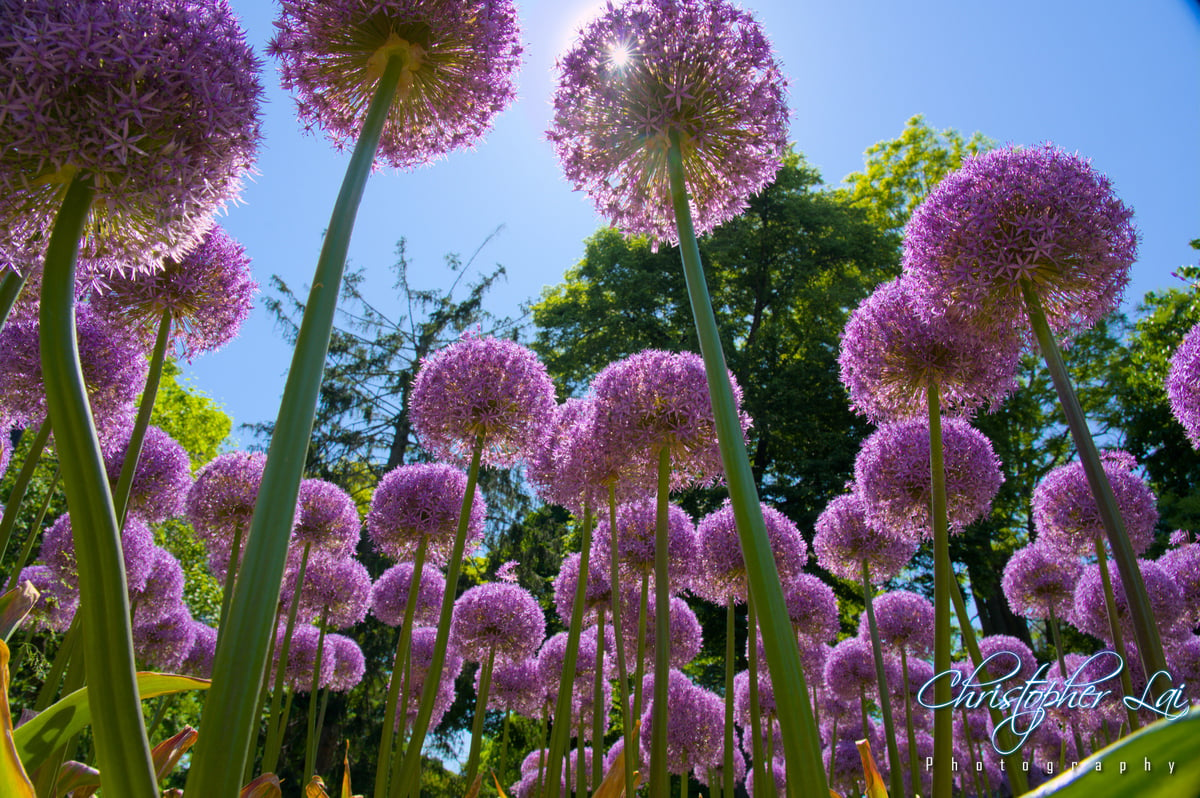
[[15, 605], [37, 738], [1160, 761]]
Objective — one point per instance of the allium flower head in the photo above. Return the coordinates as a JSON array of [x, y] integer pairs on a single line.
[[1183, 565], [500, 617], [844, 538], [850, 669], [163, 591], [812, 607], [892, 352], [328, 518], [686, 634], [156, 102], [657, 399], [162, 478], [336, 589], [1090, 614], [722, 565], [647, 71], [489, 387], [636, 524], [114, 370], [893, 475], [199, 659], [208, 294], [1009, 658], [57, 600], [420, 658], [390, 593], [695, 725], [459, 60], [349, 664], [137, 548], [1183, 385], [1067, 517], [1038, 580], [1037, 215], [516, 687], [166, 642], [597, 594], [904, 620], [302, 657], [418, 501]]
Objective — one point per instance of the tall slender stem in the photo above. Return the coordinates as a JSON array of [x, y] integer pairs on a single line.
[[727, 775], [756, 737], [1149, 643], [238, 662], [1060, 653], [943, 726], [481, 702], [914, 777], [885, 701], [598, 706], [310, 744], [133, 451], [659, 776], [12, 506], [627, 721], [1114, 629], [277, 723], [122, 750], [801, 741]]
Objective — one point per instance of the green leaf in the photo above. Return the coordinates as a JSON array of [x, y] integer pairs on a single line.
[[76, 780], [13, 779], [37, 738], [15, 605], [1168, 748]]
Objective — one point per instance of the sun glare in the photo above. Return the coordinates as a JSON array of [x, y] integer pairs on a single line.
[[620, 54]]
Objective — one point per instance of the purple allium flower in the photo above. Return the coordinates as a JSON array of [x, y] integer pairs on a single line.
[[336, 589], [390, 593], [58, 601], [349, 664], [1008, 657], [482, 388], [156, 102], [418, 501], [597, 594], [500, 617], [420, 657], [328, 518], [1183, 659], [686, 633], [812, 607], [1091, 616], [695, 725], [892, 473], [137, 547], [844, 538], [459, 61], [302, 657], [723, 568], [656, 399], [516, 687], [163, 591], [114, 370], [776, 771], [904, 620], [923, 742], [636, 527], [199, 659], [222, 499], [161, 480], [892, 352], [165, 643], [208, 294], [1038, 580], [1183, 565], [1183, 385], [847, 763], [1067, 517], [647, 71], [850, 669], [741, 697], [1037, 216], [718, 770]]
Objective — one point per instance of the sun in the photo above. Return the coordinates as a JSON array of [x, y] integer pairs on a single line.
[[620, 54]]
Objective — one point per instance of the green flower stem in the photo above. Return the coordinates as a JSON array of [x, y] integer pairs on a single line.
[[409, 770], [801, 741], [399, 667], [627, 721], [943, 726], [122, 750], [885, 703], [231, 573], [62, 658], [503, 769], [310, 740], [325, 691], [1149, 643], [730, 665], [833, 737], [264, 689], [481, 702], [33, 536], [277, 723], [560, 731], [136, 437], [580, 765], [639, 665], [10, 289], [12, 506], [230, 707], [659, 777], [1059, 651], [1114, 629], [598, 701], [756, 737], [914, 776]]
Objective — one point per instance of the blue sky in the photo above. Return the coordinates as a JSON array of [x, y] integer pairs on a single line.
[[1118, 82]]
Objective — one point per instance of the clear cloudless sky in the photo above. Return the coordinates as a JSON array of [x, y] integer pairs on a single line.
[[1119, 82]]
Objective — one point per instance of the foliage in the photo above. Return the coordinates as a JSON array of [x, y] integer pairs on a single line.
[[190, 417]]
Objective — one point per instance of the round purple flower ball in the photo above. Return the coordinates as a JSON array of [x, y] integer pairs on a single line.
[[1067, 516], [223, 495], [163, 591], [636, 534], [328, 519], [389, 595], [1017, 216], [722, 566], [845, 538], [349, 664], [137, 548], [482, 390], [166, 642], [422, 501], [597, 593], [1183, 385], [516, 687], [684, 627], [695, 724], [649, 73], [904, 620], [57, 602], [850, 669], [893, 475], [1183, 565], [497, 617], [459, 60], [1090, 614], [1008, 658], [199, 659], [1038, 581], [336, 590], [892, 353], [161, 480], [208, 294], [420, 658], [156, 103], [302, 657], [812, 607]]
